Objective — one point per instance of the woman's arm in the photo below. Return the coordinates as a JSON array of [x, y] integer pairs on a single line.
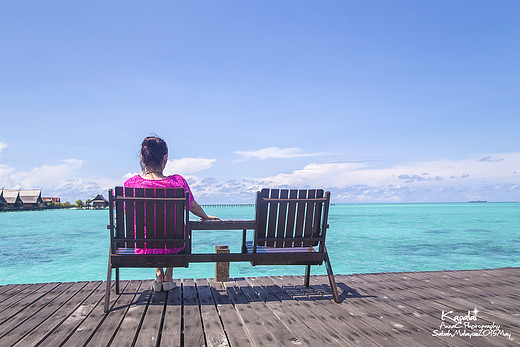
[[199, 212]]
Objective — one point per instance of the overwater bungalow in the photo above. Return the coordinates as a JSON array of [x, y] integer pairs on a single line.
[[99, 202], [11, 199], [31, 198]]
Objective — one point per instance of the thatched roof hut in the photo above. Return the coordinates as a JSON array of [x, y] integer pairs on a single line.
[[31, 198], [16, 199], [11, 197], [99, 202]]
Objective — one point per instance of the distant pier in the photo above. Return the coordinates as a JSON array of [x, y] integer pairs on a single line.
[[233, 205], [227, 205]]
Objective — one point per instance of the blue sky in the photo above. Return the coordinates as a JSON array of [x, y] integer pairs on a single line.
[[378, 101]]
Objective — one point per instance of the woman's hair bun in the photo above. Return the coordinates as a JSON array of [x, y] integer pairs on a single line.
[[153, 149]]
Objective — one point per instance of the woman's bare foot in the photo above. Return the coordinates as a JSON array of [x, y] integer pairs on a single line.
[[159, 275], [159, 279], [168, 280]]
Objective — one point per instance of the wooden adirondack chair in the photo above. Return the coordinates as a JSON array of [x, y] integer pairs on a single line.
[[291, 226], [155, 216]]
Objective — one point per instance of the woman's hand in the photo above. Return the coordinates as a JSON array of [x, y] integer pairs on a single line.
[[199, 212], [210, 218]]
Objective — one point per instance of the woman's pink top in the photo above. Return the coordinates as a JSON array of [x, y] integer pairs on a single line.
[[175, 181]]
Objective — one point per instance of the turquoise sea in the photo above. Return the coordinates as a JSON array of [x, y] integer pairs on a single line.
[[72, 245]]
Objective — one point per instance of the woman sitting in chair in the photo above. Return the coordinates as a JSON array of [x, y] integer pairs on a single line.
[[154, 155]]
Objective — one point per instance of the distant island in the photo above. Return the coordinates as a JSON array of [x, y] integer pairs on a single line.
[[477, 201]]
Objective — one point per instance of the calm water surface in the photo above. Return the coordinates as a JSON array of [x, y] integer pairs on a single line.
[[72, 245]]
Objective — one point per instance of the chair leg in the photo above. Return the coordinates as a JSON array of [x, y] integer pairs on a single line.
[[307, 276], [117, 280], [107, 289], [332, 281]]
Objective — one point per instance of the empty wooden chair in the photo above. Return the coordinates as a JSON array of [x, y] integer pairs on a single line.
[[145, 218], [290, 226]]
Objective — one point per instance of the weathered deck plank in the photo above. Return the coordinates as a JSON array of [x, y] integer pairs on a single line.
[[387, 309], [171, 331], [271, 322], [213, 329], [104, 334], [90, 321], [149, 330], [256, 328], [233, 325], [52, 322], [19, 326], [303, 314], [193, 333], [367, 323], [308, 334], [21, 300], [129, 328], [75, 319]]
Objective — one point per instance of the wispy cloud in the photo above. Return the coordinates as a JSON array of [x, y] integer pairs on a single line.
[[422, 172], [5, 176], [490, 159], [439, 180], [275, 153], [47, 175], [436, 180], [186, 166], [2, 146]]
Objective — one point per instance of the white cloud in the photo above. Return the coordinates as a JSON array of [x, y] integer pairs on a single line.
[[74, 189], [2, 146], [186, 166], [5, 176], [47, 175], [437, 180], [209, 190], [275, 153], [497, 178], [428, 181], [439, 172], [490, 159], [129, 175]]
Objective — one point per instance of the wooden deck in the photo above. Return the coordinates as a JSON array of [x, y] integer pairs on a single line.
[[387, 309]]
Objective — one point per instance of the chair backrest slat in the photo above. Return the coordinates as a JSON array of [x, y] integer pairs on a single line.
[[324, 220], [282, 215], [149, 209], [300, 216], [317, 222], [139, 218], [260, 218], [120, 217], [273, 212], [159, 216], [170, 218], [179, 213], [129, 216], [291, 214], [291, 218], [309, 217]]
